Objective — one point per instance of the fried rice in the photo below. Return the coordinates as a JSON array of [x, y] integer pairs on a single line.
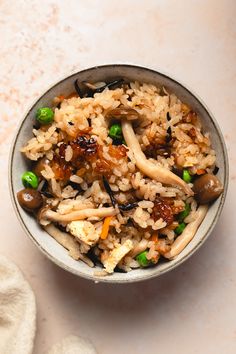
[[108, 201]]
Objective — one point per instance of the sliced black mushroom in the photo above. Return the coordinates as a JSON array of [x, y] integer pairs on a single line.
[[168, 135], [45, 189], [215, 171], [109, 191], [78, 89], [122, 207], [127, 207], [87, 89]]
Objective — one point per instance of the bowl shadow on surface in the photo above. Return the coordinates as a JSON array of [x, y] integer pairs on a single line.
[[169, 290]]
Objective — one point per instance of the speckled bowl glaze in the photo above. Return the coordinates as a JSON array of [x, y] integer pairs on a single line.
[[18, 165]]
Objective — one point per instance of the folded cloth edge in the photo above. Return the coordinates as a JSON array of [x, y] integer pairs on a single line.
[[73, 345]]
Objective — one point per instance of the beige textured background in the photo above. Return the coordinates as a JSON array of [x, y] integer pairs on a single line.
[[192, 309]]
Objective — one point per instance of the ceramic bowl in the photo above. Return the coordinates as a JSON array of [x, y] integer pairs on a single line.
[[18, 165]]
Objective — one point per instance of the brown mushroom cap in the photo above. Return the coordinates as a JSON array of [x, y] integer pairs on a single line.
[[207, 188], [123, 112], [30, 199], [40, 166]]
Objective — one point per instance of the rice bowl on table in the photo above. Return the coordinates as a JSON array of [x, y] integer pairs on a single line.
[[121, 173]]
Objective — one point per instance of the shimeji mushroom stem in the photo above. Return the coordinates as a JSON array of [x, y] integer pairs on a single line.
[[148, 168], [187, 235], [69, 242], [78, 215]]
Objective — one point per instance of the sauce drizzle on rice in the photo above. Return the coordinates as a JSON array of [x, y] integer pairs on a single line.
[[109, 167]]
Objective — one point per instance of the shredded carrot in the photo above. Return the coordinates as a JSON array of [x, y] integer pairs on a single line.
[[154, 237], [200, 172], [105, 227]]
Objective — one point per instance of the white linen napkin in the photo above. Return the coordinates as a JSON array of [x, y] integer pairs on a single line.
[[17, 311], [18, 317]]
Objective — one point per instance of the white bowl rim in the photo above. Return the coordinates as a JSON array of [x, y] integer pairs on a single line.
[[108, 279]]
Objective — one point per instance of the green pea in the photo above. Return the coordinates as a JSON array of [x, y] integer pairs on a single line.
[[44, 115], [180, 228], [141, 258], [115, 131], [184, 213], [186, 176], [30, 180]]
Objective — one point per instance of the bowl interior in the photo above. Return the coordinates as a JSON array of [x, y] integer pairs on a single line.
[[18, 165]]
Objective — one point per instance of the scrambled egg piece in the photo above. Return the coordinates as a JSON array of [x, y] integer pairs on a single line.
[[84, 231], [116, 256]]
